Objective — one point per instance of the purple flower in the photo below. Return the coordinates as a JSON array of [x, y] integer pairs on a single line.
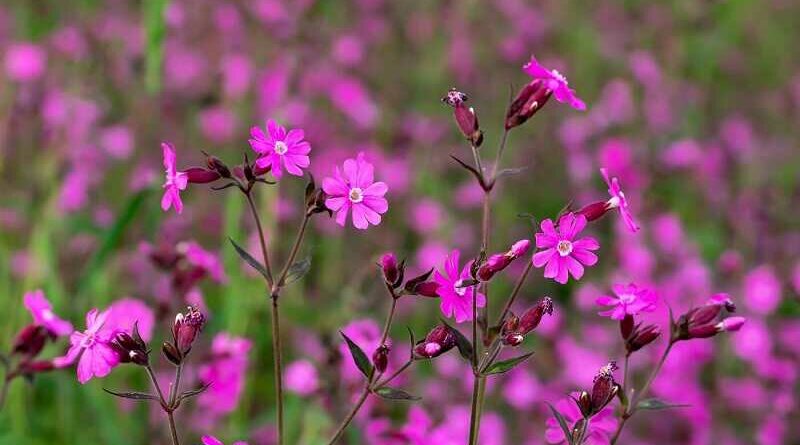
[[301, 377], [175, 180], [205, 260], [562, 254], [630, 299], [226, 370], [42, 312], [211, 440], [92, 348], [600, 429], [556, 82], [354, 187], [618, 201], [280, 149], [456, 299]]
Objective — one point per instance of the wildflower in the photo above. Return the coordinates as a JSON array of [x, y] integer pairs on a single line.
[[562, 253], [211, 440], [555, 82], [175, 180], [42, 312], [226, 369], [354, 188], [500, 261], [454, 290], [280, 149], [515, 329], [91, 348], [599, 431], [438, 341], [392, 272], [641, 336], [630, 299], [205, 260], [301, 377], [702, 322], [618, 201], [186, 328]]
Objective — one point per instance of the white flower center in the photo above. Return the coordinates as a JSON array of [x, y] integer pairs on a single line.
[[564, 247], [48, 315], [627, 298], [87, 341], [356, 195], [560, 77], [281, 148], [459, 287]]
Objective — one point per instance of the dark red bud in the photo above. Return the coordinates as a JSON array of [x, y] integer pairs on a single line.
[[199, 175], [131, 349], [380, 358], [392, 271], [641, 337], [703, 331], [594, 211], [605, 388], [420, 285], [35, 366], [626, 326], [214, 163], [584, 402], [31, 340], [703, 315], [533, 316], [438, 341], [529, 100], [186, 328], [171, 354]]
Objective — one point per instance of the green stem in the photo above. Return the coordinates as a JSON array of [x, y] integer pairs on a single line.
[[261, 238], [168, 408], [349, 418]]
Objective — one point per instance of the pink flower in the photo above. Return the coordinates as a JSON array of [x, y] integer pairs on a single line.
[[618, 200], [211, 440], [600, 429], [226, 371], [126, 312], [301, 377], [562, 254], [630, 300], [206, 261], [175, 180], [92, 347], [456, 300], [25, 61], [42, 312], [556, 82], [356, 189], [280, 149]]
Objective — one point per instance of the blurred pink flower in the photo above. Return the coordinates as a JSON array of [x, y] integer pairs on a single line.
[[556, 82], [426, 216], [226, 371], [562, 254], [762, 290], [42, 312], [125, 312], [217, 123], [630, 299], [301, 377], [175, 180], [456, 300], [618, 200], [366, 334], [117, 141], [25, 61], [205, 260], [356, 189], [280, 149], [92, 348], [600, 429], [211, 440]]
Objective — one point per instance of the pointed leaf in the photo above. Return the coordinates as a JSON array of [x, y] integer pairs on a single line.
[[132, 395], [462, 343], [656, 404], [298, 270], [388, 393], [507, 365], [359, 357], [562, 423], [472, 170], [510, 171], [193, 392], [412, 342], [254, 263]]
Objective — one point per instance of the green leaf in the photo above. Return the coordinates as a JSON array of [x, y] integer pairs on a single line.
[[297, 270], [462, 343], [193, 392], [359, 357], [507, 365], [388, 393], [132, 395], [656, 404], [254, 263], [562, 423]]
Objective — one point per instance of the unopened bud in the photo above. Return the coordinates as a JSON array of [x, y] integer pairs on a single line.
[[533, 316], [131, 348], [440, 340], [380, 358], [641, 337], [31, 340], [392, 271], [215, 164], [731, 324], [500, 261], [186, 328], [420, 285], [594, 211], [626, 326], [605, 388], [28, 368], [529, 100], [171, 354], [466, 118], [199, 175]]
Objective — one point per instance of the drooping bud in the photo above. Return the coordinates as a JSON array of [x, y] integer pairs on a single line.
[[702, 322], [380, 358], [605, 388], [529, 100], [438, 341], [186, 328], [199, 175], [466, 118], [594, 211], [420, 285], [31, 340], [641, 337], [533, 316], [131, 348], [392, 271], [499, 261]]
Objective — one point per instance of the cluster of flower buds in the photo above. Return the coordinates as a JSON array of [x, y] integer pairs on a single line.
[[244, 175], [184, 332], [394, 275], [603, 392], [637, 336], [466, 118], [131, 348], [499, 261], [514, 328], [703, 322], [438, 341], [529, 100]]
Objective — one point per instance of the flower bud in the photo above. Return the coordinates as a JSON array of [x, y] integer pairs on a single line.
[[641, 337], [28, 368], [392, 271], [701, 322], [380, 358], [171, 354], [131, 348], [584, 402], [466, 118], [438, 341], [605, 388], [216, 165], [594, 211], [186, 328], [420, 285], [199, 175], [533, 316], [626, 326], [529, 100], [731, 324], [500, 261], [31, 340]]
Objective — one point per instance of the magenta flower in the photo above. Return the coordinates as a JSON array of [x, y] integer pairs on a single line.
[[618, 201], [280, 149], [211, 440], [562, 254], [226, 371], [42, 312], [301, 377], [456, 300], [175, 180], [630, 299], [600, 429], [205, 260], [556, 82], [354, 187], [92, 347]]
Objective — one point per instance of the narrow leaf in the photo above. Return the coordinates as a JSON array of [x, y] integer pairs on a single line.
[[656, 404], [412, 342], [298, 270], [507, 365], [193, 392], [472, 170], [359, 357], [562, 423], [132, 395], [510, 171], [388, 393], [462, 343], [254, 263]]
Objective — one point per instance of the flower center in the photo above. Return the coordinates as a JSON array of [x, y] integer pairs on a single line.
[[459, 287], [356, 195], [281, 148], [47, 315], [87, 341], [560, 77], [627, 298], [564, 247]]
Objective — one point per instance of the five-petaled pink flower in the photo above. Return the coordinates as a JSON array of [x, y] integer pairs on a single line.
[[175, 180], [280, 149], [42, 312], [92, 347], [556, 82], [456, 299], [618, 200], [353, 188], [630, 299], [211, 440], [562, 254]]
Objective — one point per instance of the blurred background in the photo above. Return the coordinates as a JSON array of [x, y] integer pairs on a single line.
[[693, 105]]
